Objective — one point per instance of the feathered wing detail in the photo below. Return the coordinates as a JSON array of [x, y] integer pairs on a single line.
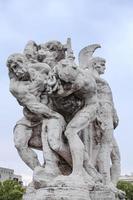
[[86, 53]]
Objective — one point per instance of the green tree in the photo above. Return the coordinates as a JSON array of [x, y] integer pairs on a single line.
[[127, 188], [11, 190]]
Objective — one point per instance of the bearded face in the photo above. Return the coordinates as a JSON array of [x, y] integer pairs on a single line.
[[17, 66]]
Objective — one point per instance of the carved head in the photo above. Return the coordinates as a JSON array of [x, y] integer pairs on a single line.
[[51, 52], [16, 64], [67, 70], [98, 64]]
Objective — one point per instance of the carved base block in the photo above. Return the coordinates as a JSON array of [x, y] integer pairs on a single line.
[[102, 195], [70, 188], [70, 193], [58, 193], [107, 194]]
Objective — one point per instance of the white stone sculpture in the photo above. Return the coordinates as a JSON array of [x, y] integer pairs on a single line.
[[69, 115]]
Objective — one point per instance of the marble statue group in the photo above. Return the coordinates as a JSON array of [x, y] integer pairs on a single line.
[[69, 115]]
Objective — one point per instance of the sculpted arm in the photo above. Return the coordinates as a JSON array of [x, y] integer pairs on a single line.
[[20, 90], [114, 112], [65, 93], [115, 118]]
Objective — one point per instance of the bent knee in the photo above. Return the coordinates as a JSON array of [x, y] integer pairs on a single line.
[[20, 144], [55, 147], [21, 136], [71, 132]]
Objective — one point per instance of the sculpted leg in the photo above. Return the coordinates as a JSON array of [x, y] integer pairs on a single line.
[[55, 128], [77, 151], [42, 176], [104, 155], [56, 142], [91, 170], [22, 134], [79, 122], [115, 158], [50, 157]]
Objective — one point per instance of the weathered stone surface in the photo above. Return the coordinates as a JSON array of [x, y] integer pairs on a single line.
[[59, 193], [102, 195], [65, 192], [69, 115]]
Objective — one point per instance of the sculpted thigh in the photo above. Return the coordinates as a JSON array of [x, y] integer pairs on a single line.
[[55, 128], [82, 118], [35, 140], [22, 134]]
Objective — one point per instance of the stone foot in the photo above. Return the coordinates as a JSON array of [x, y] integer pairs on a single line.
[[43, 176]]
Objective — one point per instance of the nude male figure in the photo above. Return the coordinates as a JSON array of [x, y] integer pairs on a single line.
[[23, 148], [26, 84], [108, 121], [84, 85]]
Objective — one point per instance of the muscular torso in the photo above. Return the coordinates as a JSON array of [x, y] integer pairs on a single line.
[[103, 91], [105, 104], [82, 92], [88, 87]]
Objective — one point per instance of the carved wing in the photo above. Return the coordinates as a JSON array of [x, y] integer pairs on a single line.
[[86, 53]]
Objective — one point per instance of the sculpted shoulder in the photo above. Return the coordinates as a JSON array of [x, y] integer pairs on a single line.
[[88, 79]]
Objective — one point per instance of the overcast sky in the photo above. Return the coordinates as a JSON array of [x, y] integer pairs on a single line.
[[107, 22]]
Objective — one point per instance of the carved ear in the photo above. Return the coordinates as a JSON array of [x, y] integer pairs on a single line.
[[86, 53]]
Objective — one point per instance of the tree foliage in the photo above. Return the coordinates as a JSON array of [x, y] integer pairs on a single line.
[[11, 190], [127, 187]]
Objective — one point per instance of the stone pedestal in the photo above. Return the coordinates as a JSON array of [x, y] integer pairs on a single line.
[[107, 194], [59, 193], [69, 193], [102, 195]]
